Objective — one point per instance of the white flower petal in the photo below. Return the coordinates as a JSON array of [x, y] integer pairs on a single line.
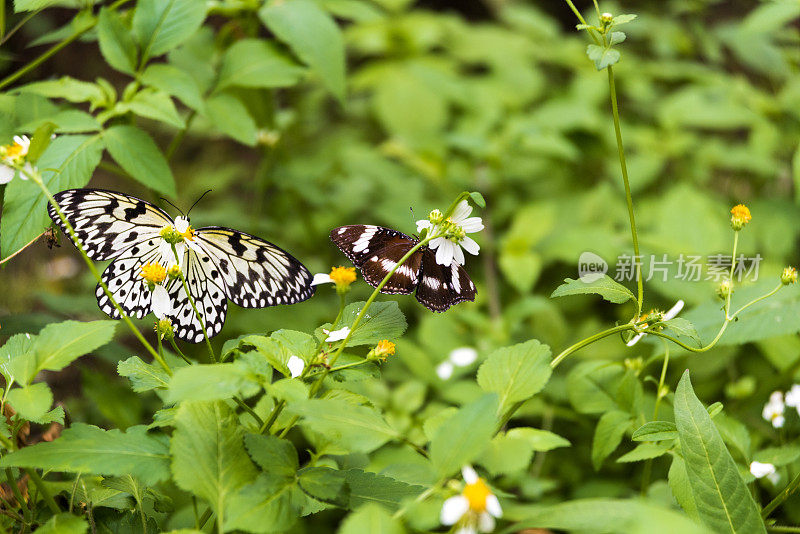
[[463, 356], [472, 225], [470, 246], [458, 255], [321, 278], [776, 397], [6, 174], [296, 366], [444, 370], [467, 529], [485, 522], [181, 224], [793, 396], [23, 141], [778, 421], [337, 335], [760, 470], [160, 302], [469, 474], [774, 478], [453, 509], [674, 311], [444, 254], [462, 211], [423, 224], [437, 242], [493, 506], [635, 339]]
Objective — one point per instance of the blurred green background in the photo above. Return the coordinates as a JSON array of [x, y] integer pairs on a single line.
[[498, 97]]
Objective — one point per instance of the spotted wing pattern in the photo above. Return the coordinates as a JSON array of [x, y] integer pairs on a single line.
[[440, 286], [108, 223], [376, 250], [253, 272], [123, 279]]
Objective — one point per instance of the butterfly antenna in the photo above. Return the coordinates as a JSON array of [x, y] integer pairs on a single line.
[[196, 201], [173, 205]]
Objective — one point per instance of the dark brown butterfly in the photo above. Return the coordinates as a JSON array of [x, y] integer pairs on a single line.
[[376, 250]]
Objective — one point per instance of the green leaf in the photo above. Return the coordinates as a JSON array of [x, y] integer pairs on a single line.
[[161, 25], [516, 373], [208, 455], [617, 37], [506, 454], [778, 456], [602, 56], [69, 89], [655, 431], [211, 382], [683, 328], [723, 500], [383, 320], [606, 287], [68, 162], [116, 41], [324, 484], [371, 518], [230, 116], [85, 449], [352, 428], [313, 35], [464, 436], [477, 199], [152, 104], [274, 455], [265, 505], [623, 19], [282, 345], [609, 515], [681, 488], [31, 402], [539, 440], [174, 82], [143, 376], [608, 435], [258, 63], [645, 451], [16, 357], [373, 488], [40, 142], [138, 154], [64, 523]]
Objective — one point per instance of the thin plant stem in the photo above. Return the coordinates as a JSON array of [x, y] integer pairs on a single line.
[[29, 243], [762, 297], [588, 341], [180, 352], [12, 483], [73, 236], [43, 491], [783, 528], [781, 497], [194, 307]]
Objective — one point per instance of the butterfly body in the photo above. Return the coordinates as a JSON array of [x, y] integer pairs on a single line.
[[217, 263], [377, 250]]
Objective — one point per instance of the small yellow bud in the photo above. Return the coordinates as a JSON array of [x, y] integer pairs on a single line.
[[740, 216], [343, 277], [435, 217], [789, 276], [725, 289], [382, 350], [153, 273], [174, 271], [606, 18], [164, 329]]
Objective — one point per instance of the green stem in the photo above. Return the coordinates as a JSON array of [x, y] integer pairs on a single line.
[[38, 181], [783, 528], [583, 21], [588, 341], [628, 198], [204, 518], [421, 497], [180, 352], [178, 139], [46, 496], [194, 307], [762, 297], [781, 497], [248, 409], [12, 483]]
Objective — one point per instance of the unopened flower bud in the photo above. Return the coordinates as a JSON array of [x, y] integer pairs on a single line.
[[606, 18], [174, 271], [740, 216], [164, 329], [725, 289], [382, 350], [435, 217], [789, 276]]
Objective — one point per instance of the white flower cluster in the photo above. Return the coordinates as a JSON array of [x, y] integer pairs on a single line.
[[776, 406], [456, 227], [460, 357]]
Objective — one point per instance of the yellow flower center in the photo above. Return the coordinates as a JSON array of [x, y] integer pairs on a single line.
[[384, 348], [15, 150], [476, 495], [741, 212], [188, 234], [153, 273], [343, 276]]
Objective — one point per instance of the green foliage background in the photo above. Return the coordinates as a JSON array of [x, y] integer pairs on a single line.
[[304, 115]]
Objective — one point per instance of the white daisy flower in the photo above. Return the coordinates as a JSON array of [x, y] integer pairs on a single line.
[[793, 397], [337, 335], [773, 410], [671, 314], [457, 225], [474, 509], [460, 357], [184, 238], [761, 470], [296, 366], [13, 155]]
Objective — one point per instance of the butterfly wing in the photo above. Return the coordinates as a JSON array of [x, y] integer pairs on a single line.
[[208, 292], [124, 281], [376, 250], [108, 223], [254, 273], [440, 286]]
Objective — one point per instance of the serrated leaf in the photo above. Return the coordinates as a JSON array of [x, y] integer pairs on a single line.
[[655, 431], [64, 523], [606, 287], [723, 500], [208, 455], [324, 484], [281, 345], [464, 436], [143, 376], [258, 63], [274, 455], [313, 36], [214, 381], [539, 440], [516, 373], [683, 328], [645, 451], [85, 449], [602, 56], [383, 320], [31, 402], [265, 505], [365, 487], [623, 19], [138, 154], [608, 435], [617, 37], [161, 25], [371, 518], [174, 82]]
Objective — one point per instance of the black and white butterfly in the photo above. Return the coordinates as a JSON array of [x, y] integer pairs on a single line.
[[376, 250], [218, 263]]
